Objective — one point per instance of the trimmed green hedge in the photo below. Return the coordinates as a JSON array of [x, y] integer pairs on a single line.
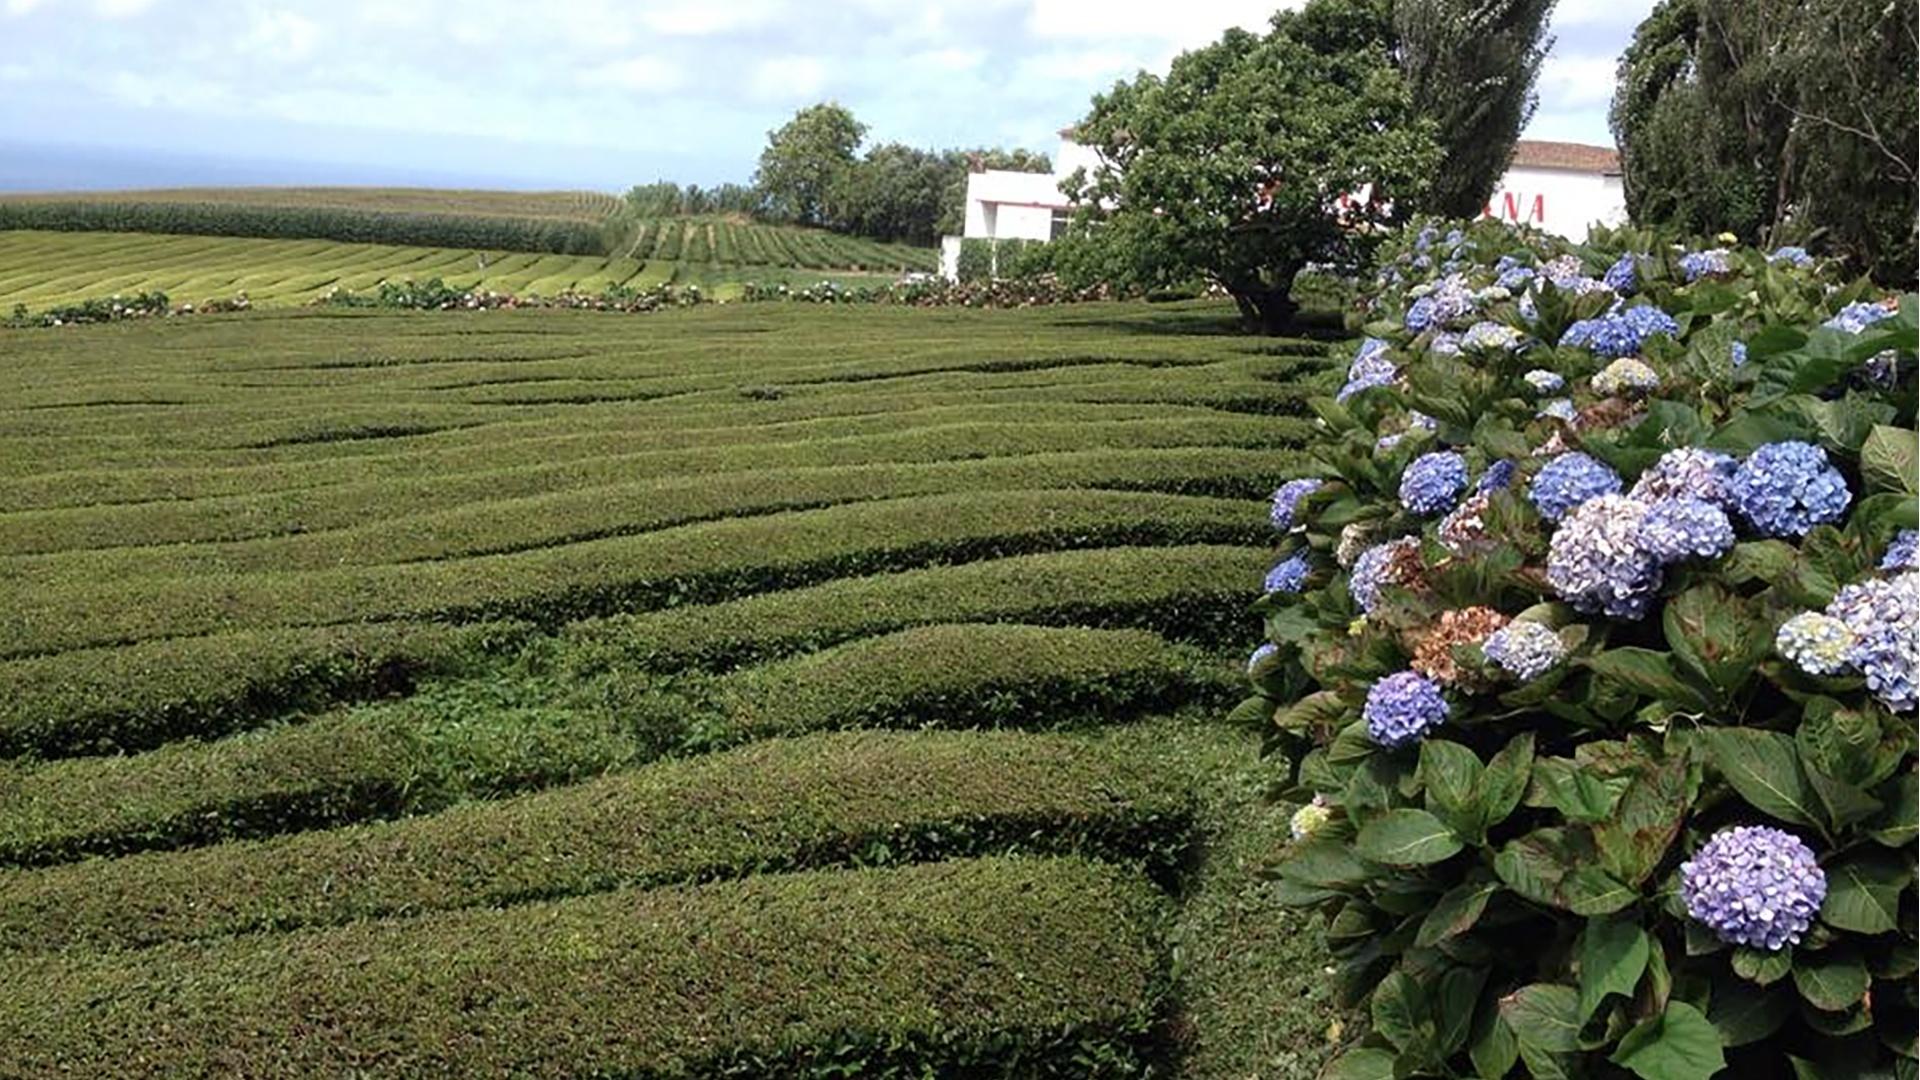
[[1187, 593], [868, 797], [997, 967], [112, 700], [556, 235], [693, 563]]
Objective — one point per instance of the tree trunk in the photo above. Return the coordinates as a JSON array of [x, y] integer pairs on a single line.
[[1265, 310]]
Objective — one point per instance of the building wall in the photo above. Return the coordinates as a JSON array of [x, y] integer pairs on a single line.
[[1562, 201]]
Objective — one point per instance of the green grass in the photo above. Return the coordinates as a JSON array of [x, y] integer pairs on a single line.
[[544, 692]]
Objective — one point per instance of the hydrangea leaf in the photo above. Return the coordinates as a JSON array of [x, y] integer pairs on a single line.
[[1718, 634], [1900, 823], [1455, 912], [1890, 460], [1406, 837], [1451, 773], [1834, 979], [1863, 893], [1453, 1007], [1764, 767], [1364, 1064], [1762, 967], [1679, 1044], [1652, 674], [1743, 1013], [1580, 794], [1494, 1048], [1544, 1016], [1401, 1015], [1613, 954], [1505, 779]]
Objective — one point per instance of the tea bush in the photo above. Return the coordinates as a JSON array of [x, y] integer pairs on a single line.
[[1592, 645]]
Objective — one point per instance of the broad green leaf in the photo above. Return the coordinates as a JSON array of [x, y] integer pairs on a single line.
[[1578, 793], [1900, 822], [1679, 1044], [1494, 1049], [1322, 709], [1718, 634], [1762, 967], [1832, 979], [1400, 1013], [1544, 1016], [1453, 1007], [1505, 779], [1366, 1064], [1455, 912], [1450, 772], [1890, 460], [1764, 767], [1589, 890], [1650, 674], [1743, 1013], [1326, 863], [1759, 560], [1613, 953], [1647, 819], [1863, 893], [1406, 837], [1841, 802]]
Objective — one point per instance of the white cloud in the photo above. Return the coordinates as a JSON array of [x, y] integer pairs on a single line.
[[281, 35], [646, 74], [121, 9], [1094, 68], [1185, 24], [21, 7], [787, 78], [950, 59], [1575, 82], [1600, 13], [704, 18]]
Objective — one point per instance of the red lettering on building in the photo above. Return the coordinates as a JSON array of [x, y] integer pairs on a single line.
[[1510, 208]]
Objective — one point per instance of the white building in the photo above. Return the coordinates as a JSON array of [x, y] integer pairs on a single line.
[[1560, 187]]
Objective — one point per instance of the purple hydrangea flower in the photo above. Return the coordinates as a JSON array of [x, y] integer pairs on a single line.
[[1738, 354], [1542, 381], [1786, 488], [1856, 317], [1449, 301], [1883, 616], [1795, 256], [1698, 264], [1903, 553], [1524, 650], [1513, 277], [1560, 409], [1286, 502], [1402, 708], [1688, 472], [1289, 575], [1432, 482], [1754, 886], [1370, 368], [1371, 571], [1596, 563], [1260, 656], [1682, 528], [1623, 276], [1498, 475], [1569, 480], [1445, 343], [1816, 642]]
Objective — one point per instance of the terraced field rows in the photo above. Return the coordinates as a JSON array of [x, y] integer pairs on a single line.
[[574, 205], [44, 269], [768, 691]]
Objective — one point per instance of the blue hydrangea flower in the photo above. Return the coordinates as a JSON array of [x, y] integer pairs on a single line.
[[1754, 886], [1881, 369], [1738, 354], [1560, 409], [1596, 563], [1786, 488], [1260, 656], [1524, 650], [1286, 502], [1856, 317], [1387, 442], [1424, 239], [1563, 270], [1378, 567], [1620, 333], [1796, 256], [1816, 642], [1447, 302], [1623, 276], [1421, 421], [1542, 381], [1289, 575], [1490, 337], [1682, 528], [1626, 377], [1513, 277], [1688, 472], [1903, 553], [1402, 708], [1569, 480], [1432, 482], [1883, 616], [1445, 343], [1370, 368], [1698, 264], [1498, 475]]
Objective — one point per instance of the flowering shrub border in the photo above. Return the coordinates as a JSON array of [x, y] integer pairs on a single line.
[[1590, 791]]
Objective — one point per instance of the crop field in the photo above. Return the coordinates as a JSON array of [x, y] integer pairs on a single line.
[[735, 691], [44, 269], [591, 206]]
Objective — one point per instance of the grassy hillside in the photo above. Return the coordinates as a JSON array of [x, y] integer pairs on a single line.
[[760, 691], [43, 269]]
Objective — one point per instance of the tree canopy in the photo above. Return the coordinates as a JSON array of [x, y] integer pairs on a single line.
[[805, 158], [1234, 165]]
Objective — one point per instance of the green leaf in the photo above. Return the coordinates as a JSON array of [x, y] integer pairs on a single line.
[[1453, 1007], [1400, 1013], [1647, 821], [1765, 769], [1505, 780], [1833, 979], [1890, 460], [1544, 1016], [1762, 967], [1743, 1013], [1760, 560], [1900, 823], [1366, 1064], [1494, 1048], [1717, 634], [1320, 709], [1679, 1044], [1578, 793], [1556, 867], [1863, 893], [1406, 837], [1455, 912], [1450, 772], [1324, 862], [1650, 674], [1613, 953]]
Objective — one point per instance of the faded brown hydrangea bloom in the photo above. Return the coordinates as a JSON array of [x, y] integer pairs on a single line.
[[1465, 529], [1433, 656]]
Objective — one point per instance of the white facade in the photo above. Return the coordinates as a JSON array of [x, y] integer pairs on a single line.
[[1563, 188]]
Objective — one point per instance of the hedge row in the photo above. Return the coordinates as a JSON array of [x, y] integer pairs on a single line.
[[998, 967], [555, 235], [1187, 593], [517, 729], [116, 700], [389, 532], [778, 805], [693, 563]]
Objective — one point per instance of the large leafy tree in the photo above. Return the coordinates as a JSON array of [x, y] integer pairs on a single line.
[[1472, 66], [1776, 120], [805, 158], [1234, 165]]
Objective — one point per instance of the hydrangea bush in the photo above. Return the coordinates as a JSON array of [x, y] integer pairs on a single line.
[[1604, 712]]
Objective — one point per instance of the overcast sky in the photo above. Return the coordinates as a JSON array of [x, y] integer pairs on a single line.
[[596, 93]]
